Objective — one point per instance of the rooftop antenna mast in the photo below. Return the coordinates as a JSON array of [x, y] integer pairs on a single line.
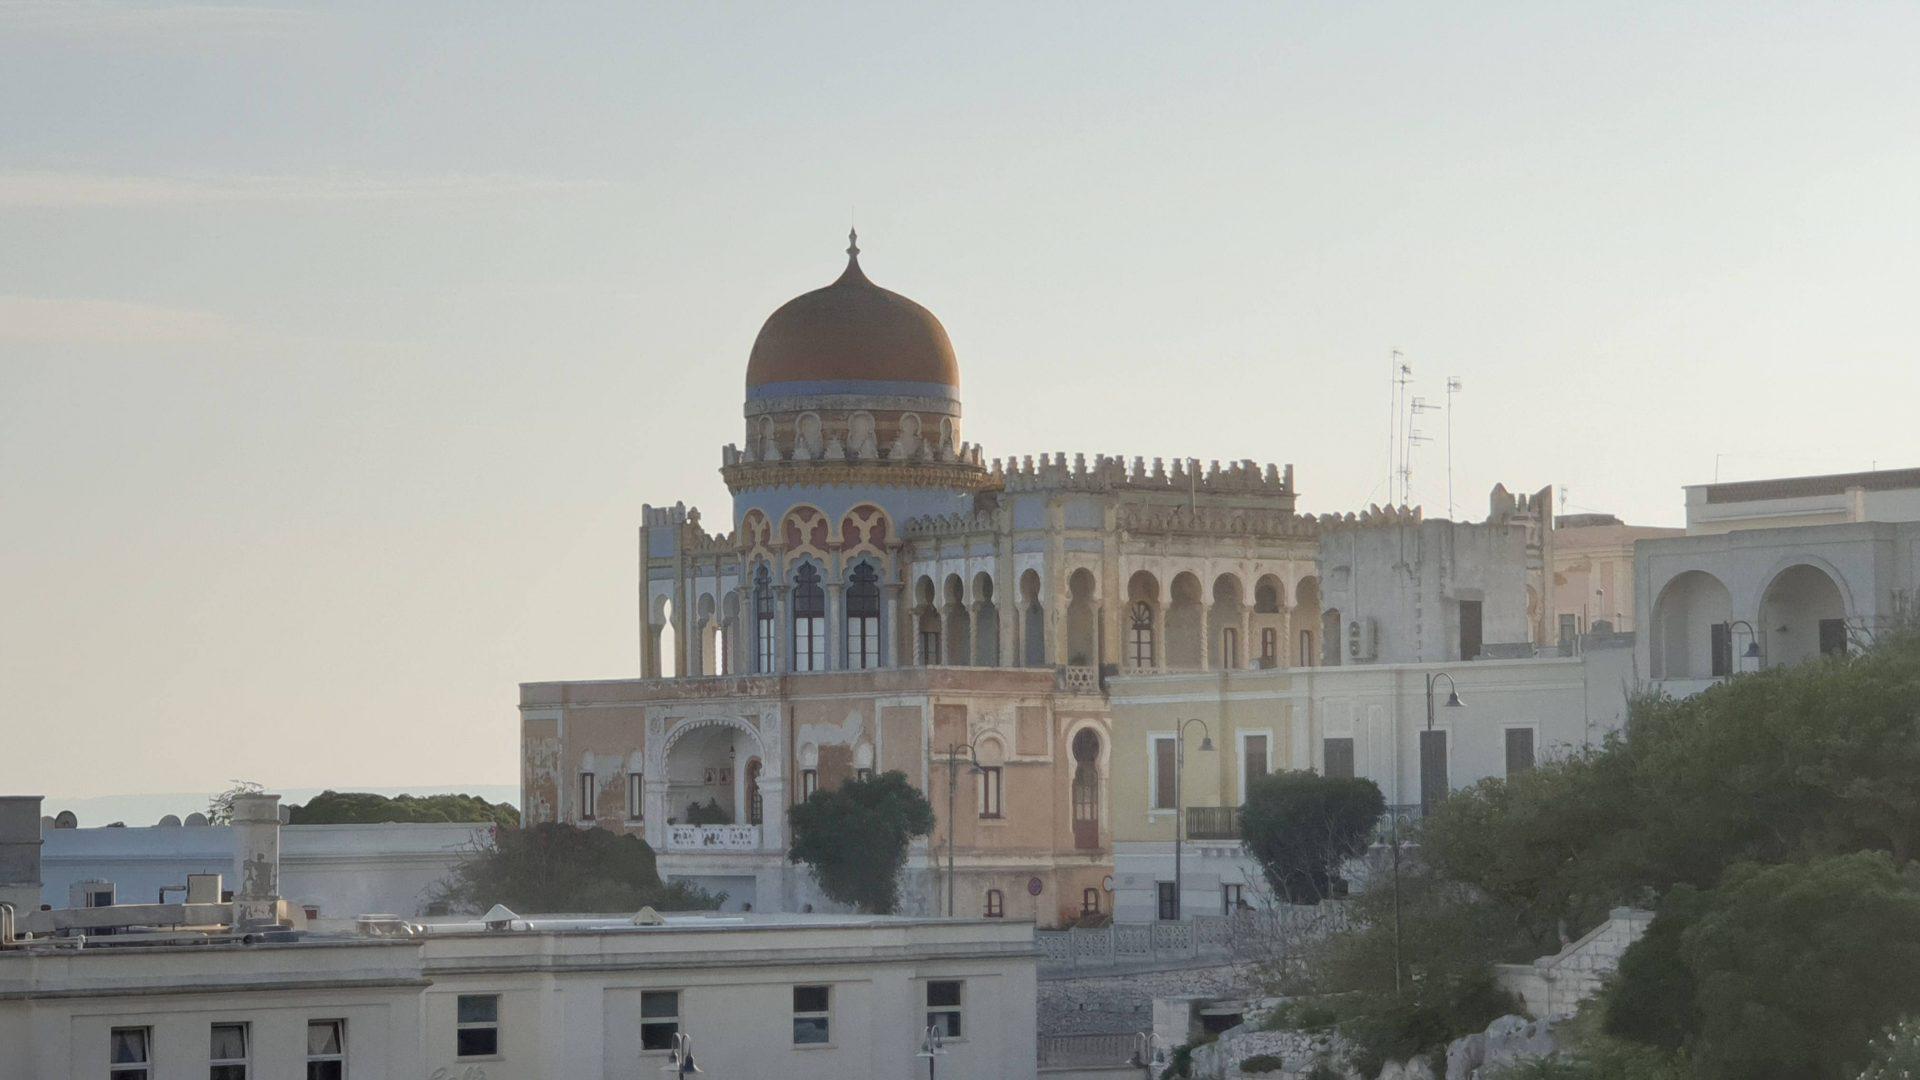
[[1395, 367], [1414, 408], [1453, 387]]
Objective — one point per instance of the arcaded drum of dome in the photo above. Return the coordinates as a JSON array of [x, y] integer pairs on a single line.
[[852, 331]]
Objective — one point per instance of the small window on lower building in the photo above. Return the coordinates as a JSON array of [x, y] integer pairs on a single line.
[[228, 1058], [809, 783], [1337, 758], [863, 774], [636, 796], [326, 1050], [992, 802], [586, 796], [476, 1029], [1519, 750], [130, 1053], [1233, 897], [996, 904], [659, 1018], [1169, 897], [943, 1007], [812, 1015], [1090, 901]]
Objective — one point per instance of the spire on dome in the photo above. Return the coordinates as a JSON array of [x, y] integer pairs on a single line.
[[853, 271]]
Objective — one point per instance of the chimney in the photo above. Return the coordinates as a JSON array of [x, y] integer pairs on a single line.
[[20, 852], [256, 859]]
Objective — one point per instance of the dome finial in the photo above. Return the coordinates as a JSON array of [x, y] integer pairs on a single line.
[[853, 243]]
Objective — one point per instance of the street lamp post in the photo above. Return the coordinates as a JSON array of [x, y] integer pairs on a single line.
[[680, 1057], [1179, 808], [953, 785], [1453, 694], [932, 1047], [1753, 640], [1453, 702]]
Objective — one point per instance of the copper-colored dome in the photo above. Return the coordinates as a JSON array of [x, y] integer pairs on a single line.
[[852, 330]]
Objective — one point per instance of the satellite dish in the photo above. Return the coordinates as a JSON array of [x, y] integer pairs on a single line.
[[65, 820], [169, 822], [196, 820]]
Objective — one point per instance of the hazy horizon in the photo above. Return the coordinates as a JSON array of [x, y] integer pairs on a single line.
[[340, 344]]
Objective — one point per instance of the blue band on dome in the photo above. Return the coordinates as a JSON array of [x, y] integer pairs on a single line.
[[861, 387]]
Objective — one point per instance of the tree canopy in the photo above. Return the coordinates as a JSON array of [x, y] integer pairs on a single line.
[[855, 838], [1300, 826], [365, 808], [560, 868]]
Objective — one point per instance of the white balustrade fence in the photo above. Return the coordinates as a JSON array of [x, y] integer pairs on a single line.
[[713, 838]]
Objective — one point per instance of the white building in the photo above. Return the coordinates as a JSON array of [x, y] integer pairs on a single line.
[[1774, 572], [189, 989], [334, 871]]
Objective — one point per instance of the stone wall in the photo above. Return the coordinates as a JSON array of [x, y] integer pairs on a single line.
[[1117, 1003], [1556, 985]]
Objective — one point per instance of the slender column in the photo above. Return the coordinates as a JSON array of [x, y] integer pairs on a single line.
[[836, 625], [890, 622], [782, 628]]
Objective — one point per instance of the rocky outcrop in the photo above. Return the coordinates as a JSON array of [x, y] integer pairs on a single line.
[[1509, 1040]]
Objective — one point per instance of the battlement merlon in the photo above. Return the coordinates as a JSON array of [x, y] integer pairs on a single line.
[[1113, 472], [671, 531]]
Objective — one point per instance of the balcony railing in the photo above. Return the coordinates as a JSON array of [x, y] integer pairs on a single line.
[[713, 838], [1213, 823]]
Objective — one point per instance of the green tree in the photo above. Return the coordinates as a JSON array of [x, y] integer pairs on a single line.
[[220, 807], [1300, 826], [1895, 1055], [365, 808], [560, 868], [855, 838]]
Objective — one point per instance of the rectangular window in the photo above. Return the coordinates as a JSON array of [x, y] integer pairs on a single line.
[[764, 642], [1519, 750], [1253, 762], [1089, 901], [812, 1015], [930, 647], [809, 783], [810, 644], [1140, 645], [1337, 754], [1469, 629], [1720, 642], [1169, 899], [863, 774], [659, 1018], [1433, 769], [1306, 648], [586, 796], [1230, 649], [130, 1053], [1270, 646], [1163, 766], [863, 642], [476, 1029], [996, 904], [636, 796], [943, 1007], [990, 791], [1233, 897], [227, 1058], [1569, 629], [326, 1050]]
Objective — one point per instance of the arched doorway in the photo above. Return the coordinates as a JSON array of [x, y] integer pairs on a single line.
[[1691, 634], [1802, 616], [1086, 789]]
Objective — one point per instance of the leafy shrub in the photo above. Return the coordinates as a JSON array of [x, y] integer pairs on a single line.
[[1895, 1055], [364, 807], [1300, 826], [1180, 1062], [560, 868], [855, 838], [1262, 1063]]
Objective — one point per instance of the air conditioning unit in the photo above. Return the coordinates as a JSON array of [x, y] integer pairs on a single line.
[[1360, 640]]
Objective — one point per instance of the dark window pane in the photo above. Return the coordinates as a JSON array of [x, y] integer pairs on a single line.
[[477, 1042], [1163, 753], [809, 1030], [943, 993], [658, 1035], [1433, 769], [946, 1023], [479, 1008], [809, 999], [660, 1003], [1519, 750], [227, 1072], [1339, 758], [326, 1070]]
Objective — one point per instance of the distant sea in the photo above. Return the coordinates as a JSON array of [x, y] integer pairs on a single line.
[[149, 808]]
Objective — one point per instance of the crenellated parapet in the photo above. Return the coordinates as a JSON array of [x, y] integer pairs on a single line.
[[1113, 472], [980, 522]]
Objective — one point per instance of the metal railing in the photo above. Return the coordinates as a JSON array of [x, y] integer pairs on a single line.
[[1213, 823], [713, 838], [1089, 1051], [1121, 944]]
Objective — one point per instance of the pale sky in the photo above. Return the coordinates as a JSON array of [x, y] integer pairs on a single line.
[[340, 345]]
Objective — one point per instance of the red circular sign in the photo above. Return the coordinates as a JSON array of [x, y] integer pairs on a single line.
[[1033, 886]]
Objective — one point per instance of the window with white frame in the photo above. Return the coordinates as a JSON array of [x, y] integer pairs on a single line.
[[227, 1056], [809, 621], [659, 1018], [812, 1015], [992, 791], [863, 618], [326, 1050], [996, 904], [766, 625], [636, 796], [1140, 635], [943, 1007], [809, 783], [476, 1026], [1233, 897], [587, 790], [130, 1053]]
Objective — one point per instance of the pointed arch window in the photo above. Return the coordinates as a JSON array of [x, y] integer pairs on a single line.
[[863, 617], [765, 626], [809, 621], [1140, 636]]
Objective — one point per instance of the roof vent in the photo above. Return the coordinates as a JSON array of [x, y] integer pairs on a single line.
[[499, 917], [646, 916]]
